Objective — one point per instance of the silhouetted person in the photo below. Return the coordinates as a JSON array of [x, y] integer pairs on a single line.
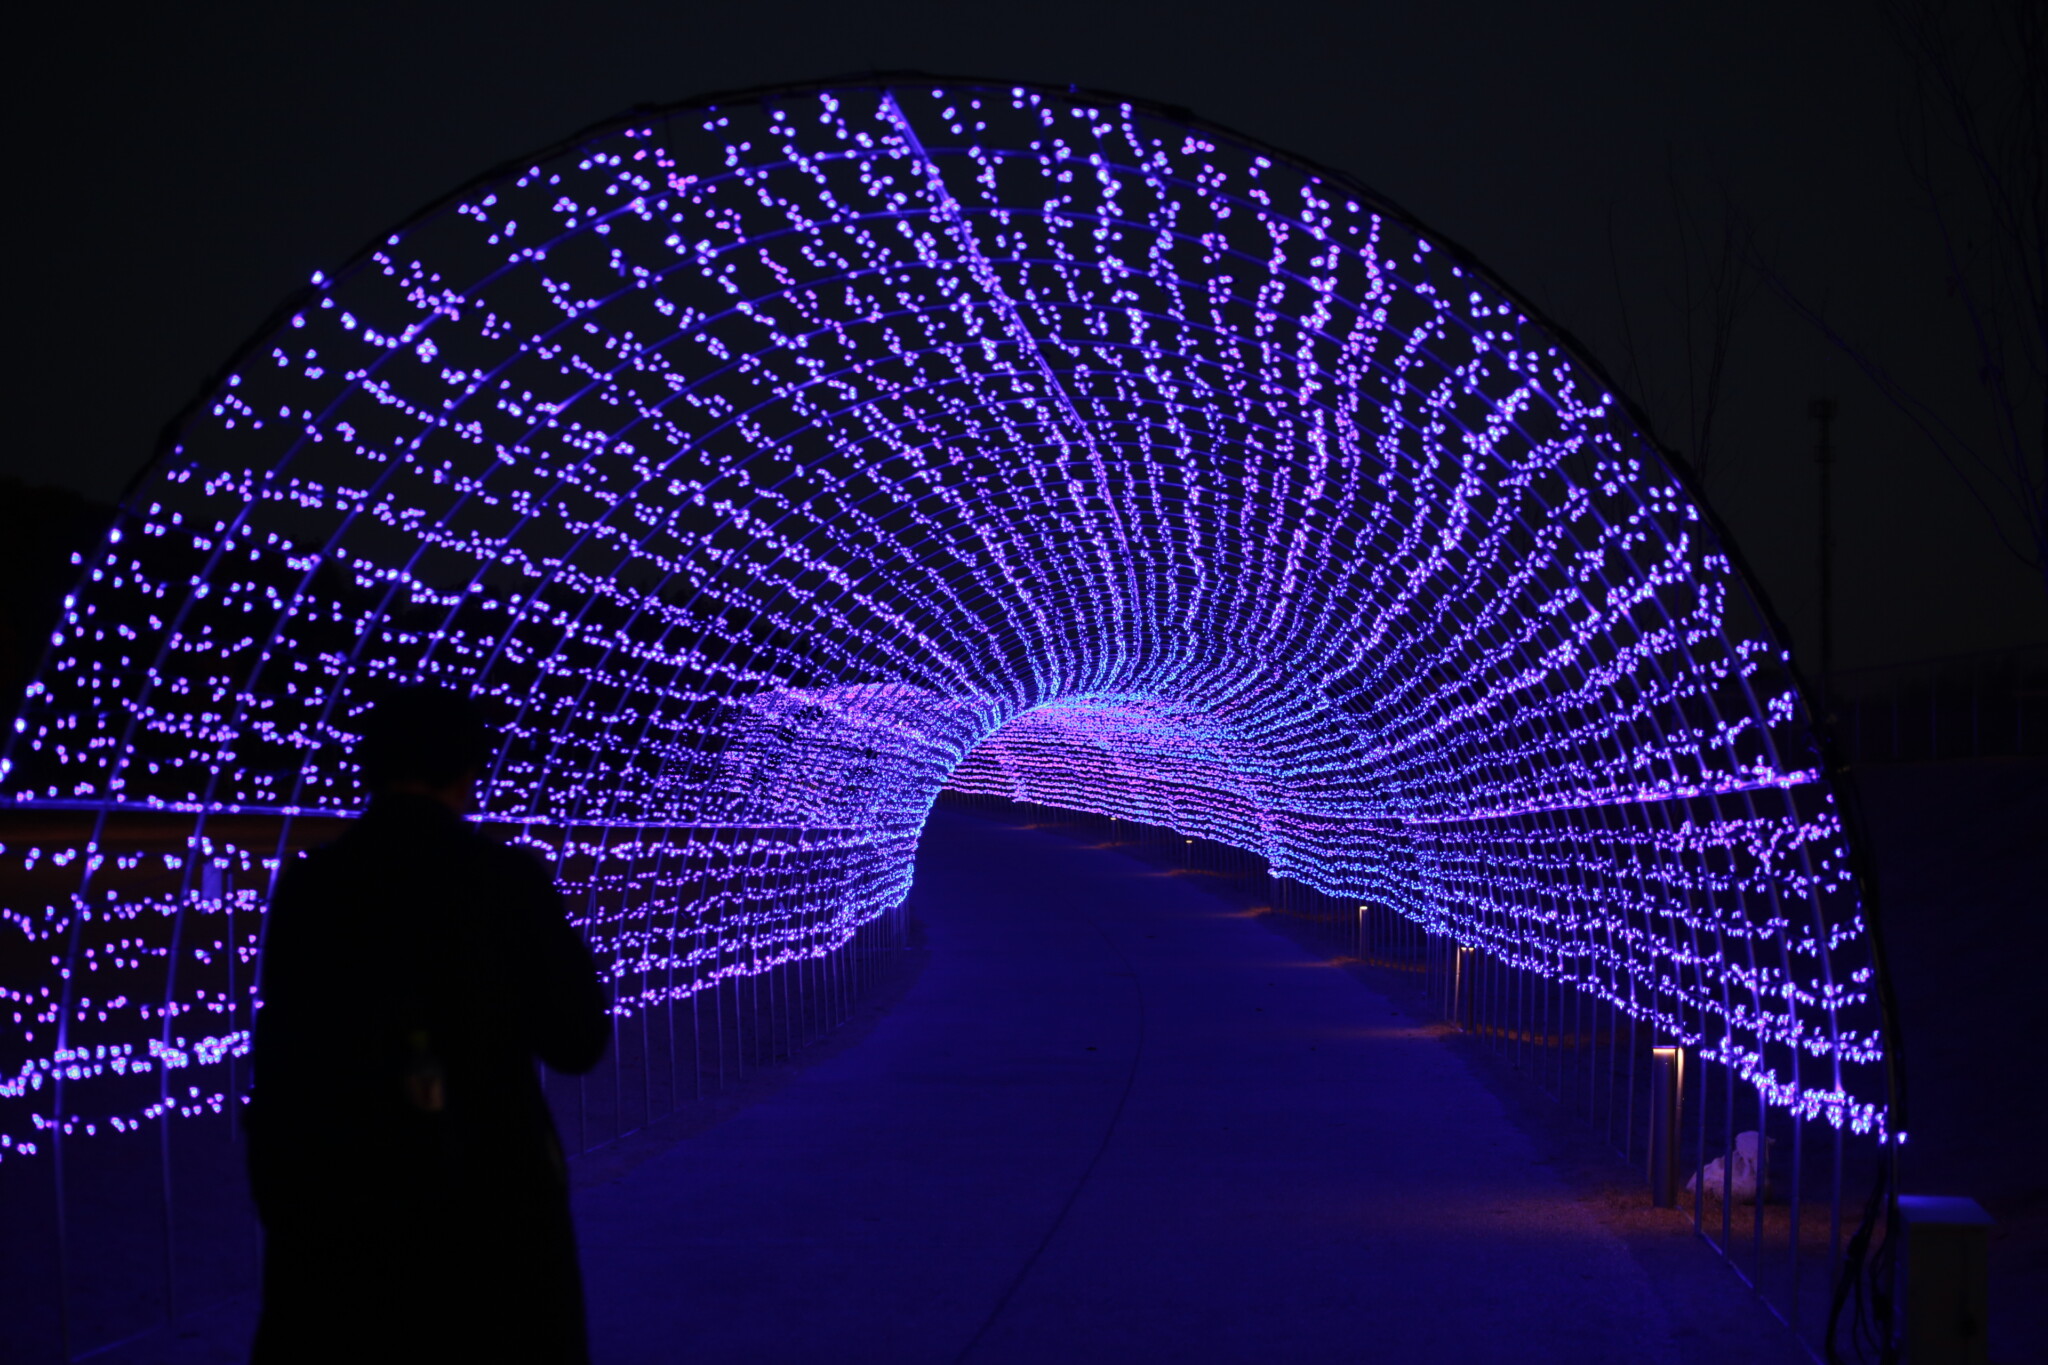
[[413, 1194]]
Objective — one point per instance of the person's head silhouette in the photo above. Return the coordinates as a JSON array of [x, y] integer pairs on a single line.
[[426, 740]]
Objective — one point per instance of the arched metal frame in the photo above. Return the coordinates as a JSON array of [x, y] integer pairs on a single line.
[[776, 461]]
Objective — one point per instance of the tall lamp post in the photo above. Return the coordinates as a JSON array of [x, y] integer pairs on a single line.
[[1822, 410]]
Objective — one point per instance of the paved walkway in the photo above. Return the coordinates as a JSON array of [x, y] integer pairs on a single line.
[[1114, 1121]]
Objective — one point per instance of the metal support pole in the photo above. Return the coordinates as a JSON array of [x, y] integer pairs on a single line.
[[1460, 970], [1667, 1079], [1822, 410]]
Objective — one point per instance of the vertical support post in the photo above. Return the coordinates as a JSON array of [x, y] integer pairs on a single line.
[[1628, 1118], [1976, 711], [1461, 959], [1792, 1210], [1667, 1079], [1897, 686], [61, 1224], [1822, 410]]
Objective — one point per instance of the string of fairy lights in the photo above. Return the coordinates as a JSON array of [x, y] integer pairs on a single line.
[[774, 465]]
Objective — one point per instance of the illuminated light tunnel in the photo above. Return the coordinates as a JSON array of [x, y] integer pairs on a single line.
[[776, 462]]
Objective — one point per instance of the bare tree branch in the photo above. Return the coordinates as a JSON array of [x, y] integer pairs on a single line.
[[1977, 153], [1716, 281], [1630, 351]]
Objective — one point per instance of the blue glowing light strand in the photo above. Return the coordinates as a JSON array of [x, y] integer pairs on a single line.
[[836, 446]]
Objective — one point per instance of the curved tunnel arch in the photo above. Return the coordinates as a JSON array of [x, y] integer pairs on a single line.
[[781, 459]]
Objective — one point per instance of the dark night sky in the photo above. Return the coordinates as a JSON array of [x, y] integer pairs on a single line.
[[176, 172]]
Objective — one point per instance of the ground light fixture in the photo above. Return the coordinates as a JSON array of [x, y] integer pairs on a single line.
[[1667, 1095]]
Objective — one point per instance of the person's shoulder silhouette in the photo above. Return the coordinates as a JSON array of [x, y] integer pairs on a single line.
[[401, 1152]]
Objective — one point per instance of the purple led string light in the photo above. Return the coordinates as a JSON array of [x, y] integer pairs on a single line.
[[777, 465]]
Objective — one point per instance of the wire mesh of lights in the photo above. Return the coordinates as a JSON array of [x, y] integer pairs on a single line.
[[774, 464]]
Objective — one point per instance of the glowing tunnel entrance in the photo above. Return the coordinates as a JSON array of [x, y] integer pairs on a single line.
[[777, 462]]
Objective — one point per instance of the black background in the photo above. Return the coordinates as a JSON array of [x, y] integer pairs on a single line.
[[174, 173]]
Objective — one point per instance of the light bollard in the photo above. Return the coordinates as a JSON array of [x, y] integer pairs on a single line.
[[1667, 1082]]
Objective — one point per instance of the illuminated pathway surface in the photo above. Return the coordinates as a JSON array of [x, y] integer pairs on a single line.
[[1113, 1120]]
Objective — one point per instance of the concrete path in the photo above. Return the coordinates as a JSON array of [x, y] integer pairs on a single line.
[[1113, 1121]]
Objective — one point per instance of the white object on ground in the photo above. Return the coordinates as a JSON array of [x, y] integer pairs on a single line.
[[1742, 1188]]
